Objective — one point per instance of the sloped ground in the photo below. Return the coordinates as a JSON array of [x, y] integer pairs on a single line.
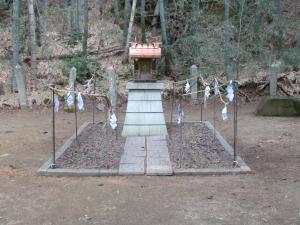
[[271, 195]]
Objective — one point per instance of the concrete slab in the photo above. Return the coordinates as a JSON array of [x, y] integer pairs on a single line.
[[158, 159], [159, 170], [133, 159], [129, 159], [132, 168], [135, 153], [145, 86]]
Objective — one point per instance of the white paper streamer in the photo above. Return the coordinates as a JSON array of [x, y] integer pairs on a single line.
[[216, 87], [207, 92], [224, 113], [113, 121], [230, 91], [70, 100], [187, 87], [80, 103], [56, 103]]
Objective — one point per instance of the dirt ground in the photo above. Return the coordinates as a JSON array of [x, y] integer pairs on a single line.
[[268, 196]]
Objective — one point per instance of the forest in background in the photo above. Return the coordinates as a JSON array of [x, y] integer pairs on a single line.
[[226, 38]]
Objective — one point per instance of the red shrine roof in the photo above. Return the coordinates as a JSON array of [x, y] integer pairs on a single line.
[[145, 50]]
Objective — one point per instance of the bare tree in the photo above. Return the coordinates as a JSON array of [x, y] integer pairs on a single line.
[[116, 11], [15, 42], [143, 22], [32, 36], [85, 26], [130, 29], [126, 21]]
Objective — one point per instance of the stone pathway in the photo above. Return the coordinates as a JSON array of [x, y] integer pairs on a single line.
[[145, 155]]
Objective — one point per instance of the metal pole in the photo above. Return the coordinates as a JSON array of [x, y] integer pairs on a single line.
[[201, 111], [172, 109], [172, 102], [75, 108], [94, 98], [235, 121], [181, 136], [214, 118], [106, 121], [116, 113], [53, 130]]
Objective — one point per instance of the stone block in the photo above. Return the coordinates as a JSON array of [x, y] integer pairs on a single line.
[[279, 106]]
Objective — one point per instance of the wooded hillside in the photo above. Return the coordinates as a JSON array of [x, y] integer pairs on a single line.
[[236, 39]]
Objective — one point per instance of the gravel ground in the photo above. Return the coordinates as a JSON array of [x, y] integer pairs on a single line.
[[95, 148], [200, 149]]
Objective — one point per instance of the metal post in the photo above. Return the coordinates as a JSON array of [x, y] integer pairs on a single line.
[[172, 109], [214, 118], [75, 109], [106, 121], [94, 99], [235, 121], [201, 111], [116, 130], [172, 103], [181, 136], [53, 130]]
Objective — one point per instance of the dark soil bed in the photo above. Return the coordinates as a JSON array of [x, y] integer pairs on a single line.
[[95, 148], [199, 148]]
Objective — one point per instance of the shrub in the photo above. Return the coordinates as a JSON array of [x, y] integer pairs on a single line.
[[84, 66]]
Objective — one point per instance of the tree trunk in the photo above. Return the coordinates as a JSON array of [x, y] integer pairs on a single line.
[[164, 37], [280, 26], [15, 42], [143, 22], [38, 22], [77, 16], [45, 28], [85, 26], [130, 29], [32, 37], [228, 65], [46, 14], [257, 16], [154, 20], [163, 23], [73, 16], [116, 11], [65, 16], [126, 21], [195, 16]]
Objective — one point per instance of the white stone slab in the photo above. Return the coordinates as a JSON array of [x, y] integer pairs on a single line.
[[141, 95], [145, 86], [144, 106]]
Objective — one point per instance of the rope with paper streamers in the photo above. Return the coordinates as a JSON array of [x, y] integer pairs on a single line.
[[207, 90], [68, 91]]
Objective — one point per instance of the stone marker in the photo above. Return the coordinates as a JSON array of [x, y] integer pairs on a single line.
[[21, 86], [194, 83], [72, 79], [274, 69], [112, 80]]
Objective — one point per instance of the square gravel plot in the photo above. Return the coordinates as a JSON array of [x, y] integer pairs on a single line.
[[199, 148], [95, 148]]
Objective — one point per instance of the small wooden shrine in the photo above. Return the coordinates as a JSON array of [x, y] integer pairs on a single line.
[[144, 56]]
